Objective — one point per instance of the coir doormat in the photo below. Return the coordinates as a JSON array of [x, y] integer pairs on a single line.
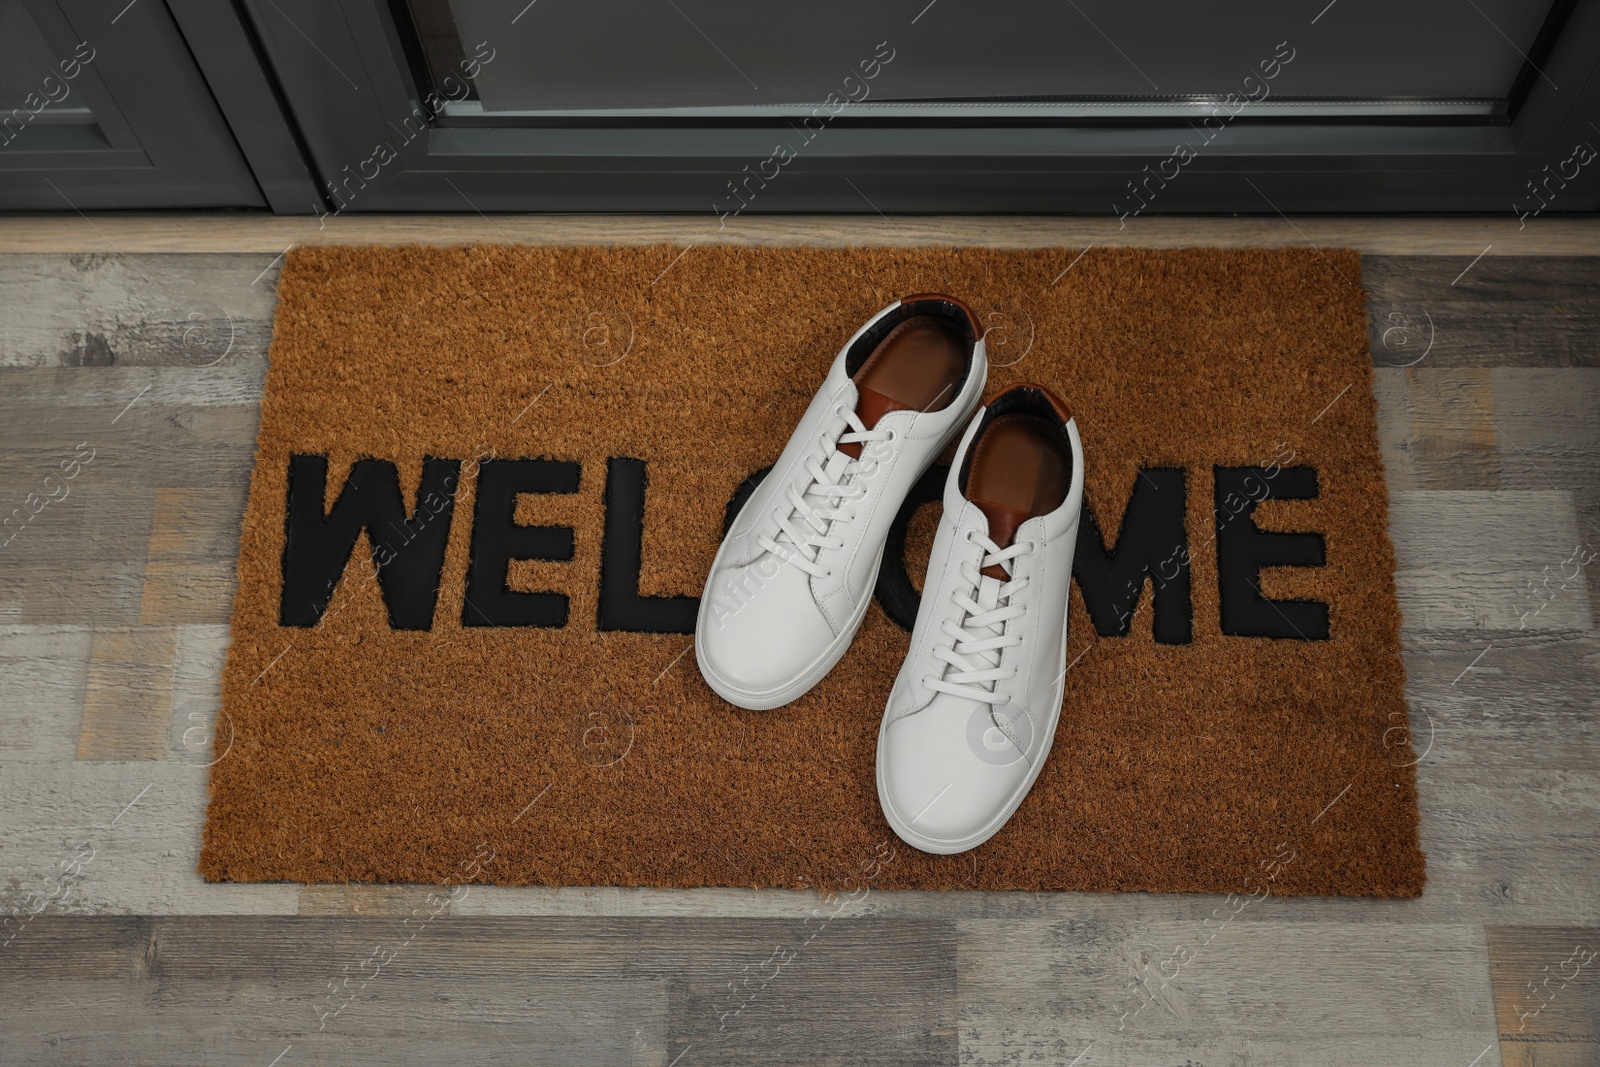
[[540, 447]]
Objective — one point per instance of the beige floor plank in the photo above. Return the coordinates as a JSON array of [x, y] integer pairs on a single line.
[[356, 899], [187, 592], [190, 524], [1390, 387], [1451, 437], [1546, 989], [127, 699], [190, 574], [1466, 237]]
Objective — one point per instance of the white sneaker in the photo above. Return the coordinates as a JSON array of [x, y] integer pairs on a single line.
[[795, 573], [974, 709]]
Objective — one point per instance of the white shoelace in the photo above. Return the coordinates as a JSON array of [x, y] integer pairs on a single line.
[[978, 638], [826, 497]]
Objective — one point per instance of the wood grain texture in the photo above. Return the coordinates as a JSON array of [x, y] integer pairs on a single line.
[[1476, 561], [1505, 724], [140, 820], [1547, 425], [1390, 389], [1450, 418], [1546, 994], [42, 671], [358, 899], [189, 524], [253, 1023], [103, 308], [189, 571], [186, 591], [127, 698], [1459, 239], [95, 400], [1508, 311], [359, 990], [1548, 434], [1228, 988]]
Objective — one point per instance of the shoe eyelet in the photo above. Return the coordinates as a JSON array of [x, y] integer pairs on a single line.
[[894, 435], [967, 537]]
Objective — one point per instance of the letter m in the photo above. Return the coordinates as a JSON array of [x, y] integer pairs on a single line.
[[317, 546], [1152, 543]]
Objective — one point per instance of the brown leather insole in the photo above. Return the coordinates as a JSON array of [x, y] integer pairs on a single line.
[[1022, 467], [918, 366]]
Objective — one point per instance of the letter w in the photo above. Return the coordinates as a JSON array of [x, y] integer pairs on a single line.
[[409, 554]]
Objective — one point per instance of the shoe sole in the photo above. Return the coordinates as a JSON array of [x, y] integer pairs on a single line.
[[766, 700], [917, 841]]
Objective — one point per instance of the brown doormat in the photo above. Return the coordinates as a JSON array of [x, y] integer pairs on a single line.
[[543, 445]]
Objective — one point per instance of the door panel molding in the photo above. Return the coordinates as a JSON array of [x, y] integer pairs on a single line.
[[157, 140]]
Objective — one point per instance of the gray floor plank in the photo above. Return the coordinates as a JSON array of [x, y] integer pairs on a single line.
[[252, 1024], [42, 670], [1547, 424], [360, 990], [1518, 703], [1510, 311], [1473, 561], [95, 397], [162, 448], [138, 821], [102, 310], [1220, 989], [1489, 394]]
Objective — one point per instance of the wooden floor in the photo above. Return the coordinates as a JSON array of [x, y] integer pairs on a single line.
[[132, 354]]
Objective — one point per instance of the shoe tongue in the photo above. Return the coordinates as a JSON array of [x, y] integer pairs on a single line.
[[1003, 524], [871, 406]]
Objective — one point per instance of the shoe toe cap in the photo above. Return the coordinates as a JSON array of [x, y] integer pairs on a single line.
[[948, 772], [760, 633]]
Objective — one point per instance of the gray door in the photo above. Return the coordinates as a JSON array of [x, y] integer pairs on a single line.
[[1094, 106], [102, 106]]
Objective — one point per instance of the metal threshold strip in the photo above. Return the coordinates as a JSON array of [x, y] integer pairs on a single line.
[[1192, 107]]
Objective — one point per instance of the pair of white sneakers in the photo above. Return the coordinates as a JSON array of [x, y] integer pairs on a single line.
[[971, 716]]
